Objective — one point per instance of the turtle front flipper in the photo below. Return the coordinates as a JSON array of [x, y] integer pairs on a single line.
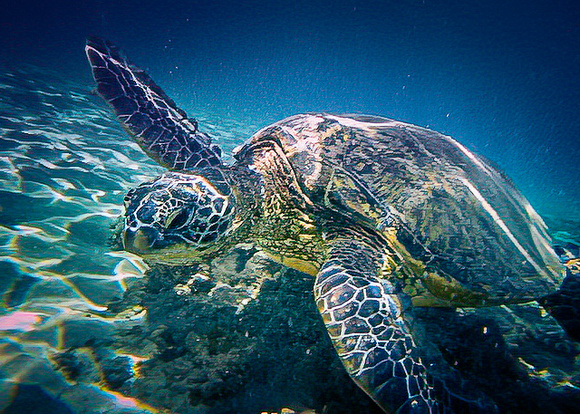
[[162, 130], [364, 318]]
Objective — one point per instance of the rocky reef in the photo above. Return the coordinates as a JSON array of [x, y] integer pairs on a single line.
[[243, 336]]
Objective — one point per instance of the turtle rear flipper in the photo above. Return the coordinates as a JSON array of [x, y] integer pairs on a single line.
[[162, 129], [564, 304]]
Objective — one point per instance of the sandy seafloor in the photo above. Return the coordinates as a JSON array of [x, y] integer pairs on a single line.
[[87, 328]]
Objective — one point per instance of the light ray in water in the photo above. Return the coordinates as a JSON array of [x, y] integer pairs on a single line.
[[19, 321]]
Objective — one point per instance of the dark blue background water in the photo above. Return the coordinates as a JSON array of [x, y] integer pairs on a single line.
[[503, 77]]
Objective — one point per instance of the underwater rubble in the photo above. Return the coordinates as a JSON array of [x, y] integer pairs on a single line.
[[244, 336], [246, 339]]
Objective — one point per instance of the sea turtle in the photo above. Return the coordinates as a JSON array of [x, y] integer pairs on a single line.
[[385, 215]]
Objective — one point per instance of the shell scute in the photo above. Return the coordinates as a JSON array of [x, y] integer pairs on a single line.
[[451, 210]]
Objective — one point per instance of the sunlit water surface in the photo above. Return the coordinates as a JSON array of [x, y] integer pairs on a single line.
[[65, 165]]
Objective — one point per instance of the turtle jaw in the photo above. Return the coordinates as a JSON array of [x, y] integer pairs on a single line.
[[148, 243], [139, 241]]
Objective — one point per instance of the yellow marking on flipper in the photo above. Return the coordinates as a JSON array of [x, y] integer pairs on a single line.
[[573, 265], [439, 290], [417, 267], [450, 291], [301, 265], [295, 263]]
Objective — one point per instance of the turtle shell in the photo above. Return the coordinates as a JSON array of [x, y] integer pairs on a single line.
[[457, 221]]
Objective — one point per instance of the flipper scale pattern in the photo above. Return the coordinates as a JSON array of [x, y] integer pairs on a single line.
[[364, 318]]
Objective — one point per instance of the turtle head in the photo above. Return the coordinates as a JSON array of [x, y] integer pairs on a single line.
[[176, 216]]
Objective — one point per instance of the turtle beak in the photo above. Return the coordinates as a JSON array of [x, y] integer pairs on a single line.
[[138, 241]]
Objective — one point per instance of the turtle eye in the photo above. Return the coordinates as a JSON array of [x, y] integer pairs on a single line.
[[177, 219]]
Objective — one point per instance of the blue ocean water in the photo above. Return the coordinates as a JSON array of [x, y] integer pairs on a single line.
[[503, 78]]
